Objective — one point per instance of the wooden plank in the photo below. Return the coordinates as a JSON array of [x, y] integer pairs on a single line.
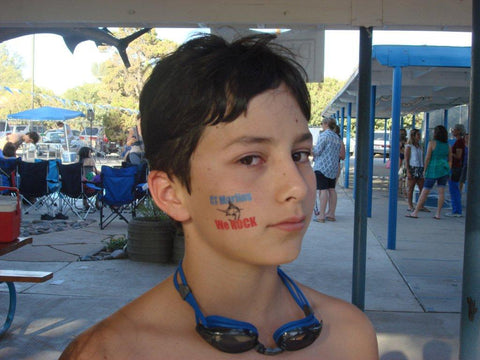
[[5, 248], [25, 276]]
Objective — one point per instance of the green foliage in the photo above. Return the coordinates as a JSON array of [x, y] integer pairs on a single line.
[[115, 242], [118, 86], [321, 94], [11, 67], [121, 87], [149, 209]]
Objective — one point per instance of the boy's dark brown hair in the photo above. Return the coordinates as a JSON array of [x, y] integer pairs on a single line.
[[9, 150], [207, 81]]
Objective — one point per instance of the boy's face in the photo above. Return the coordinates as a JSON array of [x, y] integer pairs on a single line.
[[253, 188]]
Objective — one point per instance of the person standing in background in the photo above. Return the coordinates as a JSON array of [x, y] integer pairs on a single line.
[[458, 151], [66, 129], [463, 176], [414, 167], [437, 167], [326, 163], [135, 142]]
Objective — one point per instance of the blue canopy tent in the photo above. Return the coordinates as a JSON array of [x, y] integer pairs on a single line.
[[48, 113]]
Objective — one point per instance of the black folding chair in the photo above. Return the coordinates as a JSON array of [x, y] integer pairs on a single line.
[[33, 185], [72, 191]]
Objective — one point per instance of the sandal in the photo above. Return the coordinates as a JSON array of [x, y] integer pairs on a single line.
[[318, 220], [424, 209], [331, 218]]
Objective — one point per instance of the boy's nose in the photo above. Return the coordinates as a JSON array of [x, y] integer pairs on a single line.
[[292, 184]]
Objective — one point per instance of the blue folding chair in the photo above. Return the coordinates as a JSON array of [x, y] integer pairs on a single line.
[[117, 194], [8, 173], [141, 185]]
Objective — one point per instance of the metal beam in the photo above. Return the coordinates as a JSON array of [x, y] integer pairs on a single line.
[[361, 169], [394, 158], [470, 317]]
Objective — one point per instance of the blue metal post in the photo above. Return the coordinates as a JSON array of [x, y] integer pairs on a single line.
[[342, 124], [347, 159], [385, 142], [413, 121], [370, 149], [394, 157], [445, 118], [337, 117], [401, 122], [470, 316], [427, 131]]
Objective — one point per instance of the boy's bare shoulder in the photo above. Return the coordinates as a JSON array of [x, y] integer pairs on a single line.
[[346, 329], [135, 331]]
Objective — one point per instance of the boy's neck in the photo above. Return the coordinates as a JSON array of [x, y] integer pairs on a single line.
[[231, 289]]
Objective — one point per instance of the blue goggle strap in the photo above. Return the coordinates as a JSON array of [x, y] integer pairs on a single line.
[[295, 291], [209, 321], [187, 295]]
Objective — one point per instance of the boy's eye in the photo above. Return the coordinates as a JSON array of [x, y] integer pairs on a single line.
[[301, 156], [250, 160]]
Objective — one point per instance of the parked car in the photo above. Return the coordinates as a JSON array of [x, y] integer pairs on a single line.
[[381, 143], [96, 135], [54, 136]]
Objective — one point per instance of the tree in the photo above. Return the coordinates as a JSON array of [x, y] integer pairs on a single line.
[[321, 94], [120, 87], [11, 67]]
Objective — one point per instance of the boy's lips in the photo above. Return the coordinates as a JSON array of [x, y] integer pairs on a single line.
[[294, 223]]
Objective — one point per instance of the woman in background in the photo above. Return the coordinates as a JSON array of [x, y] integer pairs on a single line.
[[414, 167], [437, 164], [89, 173]]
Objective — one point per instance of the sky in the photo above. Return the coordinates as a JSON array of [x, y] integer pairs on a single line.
[[58, 69]]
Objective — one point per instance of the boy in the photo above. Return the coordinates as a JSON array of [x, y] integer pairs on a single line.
[[225, 132], [31, 138]]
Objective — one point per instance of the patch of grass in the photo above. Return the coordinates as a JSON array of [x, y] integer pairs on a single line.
[[115, 242]]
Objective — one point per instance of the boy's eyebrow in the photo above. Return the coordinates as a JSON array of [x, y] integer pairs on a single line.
[[247, 140], [304, 137]]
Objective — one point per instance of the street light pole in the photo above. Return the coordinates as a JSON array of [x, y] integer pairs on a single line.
[[90, 117]]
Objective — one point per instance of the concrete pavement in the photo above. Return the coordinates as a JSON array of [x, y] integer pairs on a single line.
[[412, 293]]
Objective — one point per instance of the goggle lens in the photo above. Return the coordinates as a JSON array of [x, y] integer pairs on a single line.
[[299, 338], [228, 340]]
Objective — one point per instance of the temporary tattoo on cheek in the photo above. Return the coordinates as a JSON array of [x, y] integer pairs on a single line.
[[225, 200], [233, 212]]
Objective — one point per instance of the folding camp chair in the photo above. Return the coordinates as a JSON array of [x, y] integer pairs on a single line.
[[72, 191], [8, 173], [33, 185], [117, 194], [141, 186]]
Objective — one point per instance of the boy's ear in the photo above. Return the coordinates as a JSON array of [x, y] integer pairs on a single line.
[[168, 195]]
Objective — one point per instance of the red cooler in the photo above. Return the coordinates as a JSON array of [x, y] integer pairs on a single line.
[[10, 215]]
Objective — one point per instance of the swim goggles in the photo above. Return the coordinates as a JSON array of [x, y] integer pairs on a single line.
[[233, 336]]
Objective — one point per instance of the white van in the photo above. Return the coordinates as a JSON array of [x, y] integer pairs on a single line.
[[381, 143]]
